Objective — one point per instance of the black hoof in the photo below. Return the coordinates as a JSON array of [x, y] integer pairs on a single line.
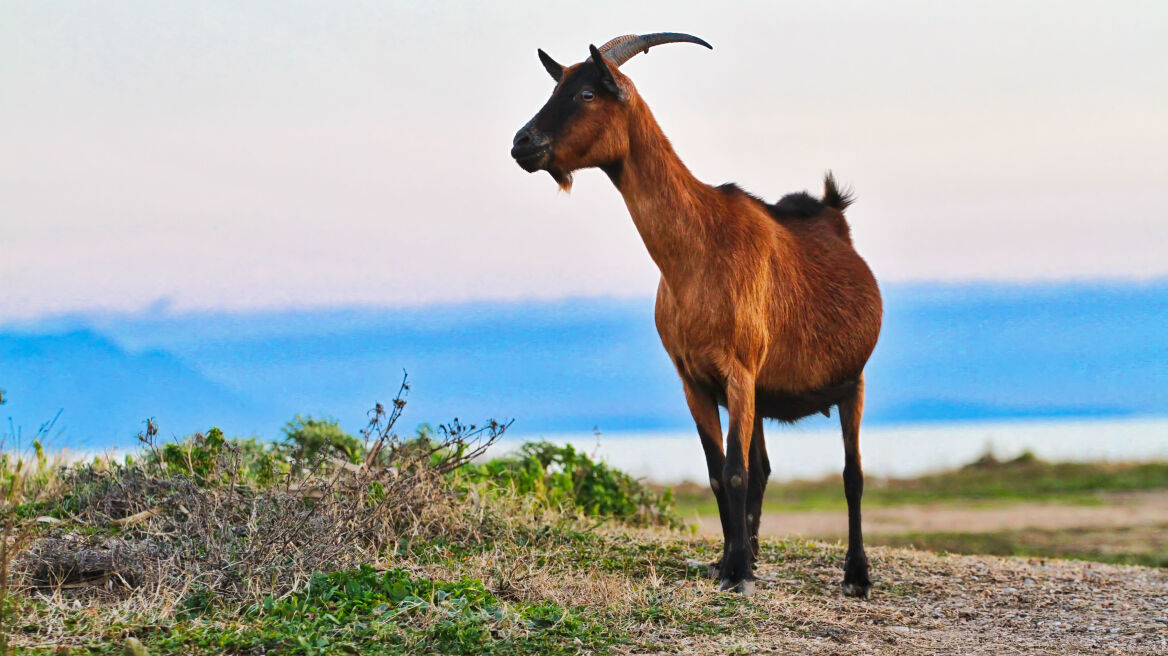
[[856, 582], [737, 575]]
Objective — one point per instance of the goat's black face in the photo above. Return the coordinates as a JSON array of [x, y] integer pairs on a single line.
[[565, 133]]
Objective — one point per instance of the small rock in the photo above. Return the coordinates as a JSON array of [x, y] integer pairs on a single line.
[[1162, 620], [1115, 630], [902, 629]]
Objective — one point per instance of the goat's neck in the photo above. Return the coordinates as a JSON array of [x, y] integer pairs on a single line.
[[669, 206]]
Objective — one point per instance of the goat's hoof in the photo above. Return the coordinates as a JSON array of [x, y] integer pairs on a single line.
[[856, 582], [744, 587], [857, 590]]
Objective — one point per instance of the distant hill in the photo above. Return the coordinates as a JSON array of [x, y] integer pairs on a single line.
[[103, 393], [947, 353]]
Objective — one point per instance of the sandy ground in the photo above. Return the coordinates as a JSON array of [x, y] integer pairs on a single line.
[[1118, 510]]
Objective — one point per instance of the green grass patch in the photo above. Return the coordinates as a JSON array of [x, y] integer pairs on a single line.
[[987, 481]]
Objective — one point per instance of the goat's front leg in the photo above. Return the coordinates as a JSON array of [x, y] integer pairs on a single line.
[[737, 566], [760, 471], [704, 409]]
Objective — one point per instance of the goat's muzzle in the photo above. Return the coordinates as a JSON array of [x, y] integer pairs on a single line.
[[530, 149]]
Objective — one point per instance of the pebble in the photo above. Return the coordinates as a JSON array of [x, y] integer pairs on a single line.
[[1162, 620]]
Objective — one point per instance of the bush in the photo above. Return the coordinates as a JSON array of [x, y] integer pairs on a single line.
[[306, 440], [565, 479], [228, 518]]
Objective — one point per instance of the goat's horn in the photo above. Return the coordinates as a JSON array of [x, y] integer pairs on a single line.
[[624, 48]]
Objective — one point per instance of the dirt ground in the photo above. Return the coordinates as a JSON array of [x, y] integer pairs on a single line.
[[1117, 510], [924, 603]]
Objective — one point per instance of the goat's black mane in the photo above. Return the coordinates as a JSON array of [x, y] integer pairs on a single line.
[[801, 205]]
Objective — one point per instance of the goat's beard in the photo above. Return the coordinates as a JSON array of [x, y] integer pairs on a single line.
[[562, 178]]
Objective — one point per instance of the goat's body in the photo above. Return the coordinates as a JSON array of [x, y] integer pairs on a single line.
[[788, 298]]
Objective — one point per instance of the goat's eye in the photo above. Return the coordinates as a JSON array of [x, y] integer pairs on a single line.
[[587, 95]]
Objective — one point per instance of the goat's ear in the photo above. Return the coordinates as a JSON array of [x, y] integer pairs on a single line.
[[606, 77], [549, 64]]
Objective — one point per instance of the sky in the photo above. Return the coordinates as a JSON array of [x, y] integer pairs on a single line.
[[241, 156]]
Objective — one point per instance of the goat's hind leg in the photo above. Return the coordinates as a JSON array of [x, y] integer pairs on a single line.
[[856, 582]]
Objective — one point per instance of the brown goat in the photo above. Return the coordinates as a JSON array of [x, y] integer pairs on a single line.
[[764, 309]]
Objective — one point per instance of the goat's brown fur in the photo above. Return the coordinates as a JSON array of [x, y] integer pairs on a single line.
[[767, 310]]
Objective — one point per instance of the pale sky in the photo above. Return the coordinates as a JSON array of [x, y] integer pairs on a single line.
[[298, 154]]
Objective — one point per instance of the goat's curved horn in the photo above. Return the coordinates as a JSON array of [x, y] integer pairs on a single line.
[[624, 48]]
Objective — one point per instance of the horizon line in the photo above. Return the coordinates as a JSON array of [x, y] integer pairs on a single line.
[[164, 308]]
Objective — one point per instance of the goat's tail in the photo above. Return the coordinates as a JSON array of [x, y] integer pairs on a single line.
[[833, 197]]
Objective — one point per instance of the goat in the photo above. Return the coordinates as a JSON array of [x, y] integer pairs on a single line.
[[766, 310]]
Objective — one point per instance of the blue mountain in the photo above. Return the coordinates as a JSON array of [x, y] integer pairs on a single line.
[[102, 393], [947, 353]]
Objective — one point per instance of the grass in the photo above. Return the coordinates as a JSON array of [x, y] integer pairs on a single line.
[[987, 481], [329, 544]]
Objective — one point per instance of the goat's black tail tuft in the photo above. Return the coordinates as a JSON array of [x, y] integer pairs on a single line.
[[833, 197]]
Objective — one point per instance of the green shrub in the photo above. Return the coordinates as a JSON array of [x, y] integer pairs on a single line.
[[196, 456], [564, 478], [307, 439]]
